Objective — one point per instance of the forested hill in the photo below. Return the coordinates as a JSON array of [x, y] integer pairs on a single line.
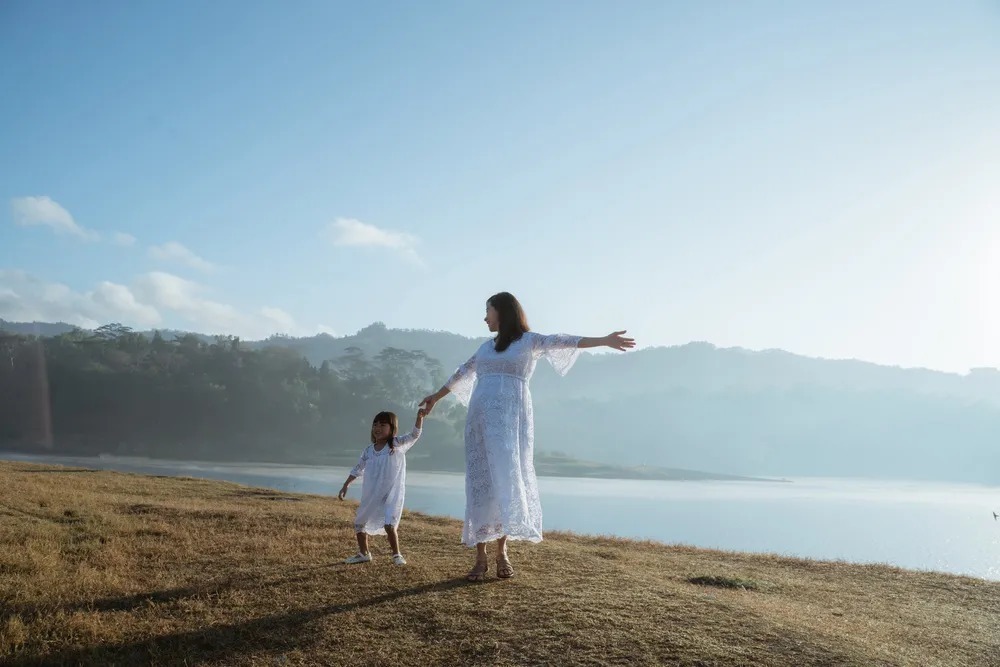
[[448, 348]]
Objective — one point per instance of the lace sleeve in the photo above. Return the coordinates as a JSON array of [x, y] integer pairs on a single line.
[[404, 442], [463, 381], [559, 349], [359, 470]]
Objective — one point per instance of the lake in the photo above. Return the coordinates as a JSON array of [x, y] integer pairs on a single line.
[[946, 527]]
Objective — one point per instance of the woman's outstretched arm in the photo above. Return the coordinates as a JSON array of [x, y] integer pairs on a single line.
[[615, 340]]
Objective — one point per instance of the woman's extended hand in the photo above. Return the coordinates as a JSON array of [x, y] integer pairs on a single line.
[[617, 341]]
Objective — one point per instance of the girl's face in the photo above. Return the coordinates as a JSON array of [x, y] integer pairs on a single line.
[[381, 431], [492, 318]]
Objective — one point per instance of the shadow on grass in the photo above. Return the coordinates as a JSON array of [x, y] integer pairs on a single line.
[[726, 582], [117, 603], [274, 633], [132, 602], [121, 602]]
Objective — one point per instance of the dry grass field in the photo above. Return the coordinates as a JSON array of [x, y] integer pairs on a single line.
[[107, 568]]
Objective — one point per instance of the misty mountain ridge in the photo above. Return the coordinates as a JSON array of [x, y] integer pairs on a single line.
[[697, 366]]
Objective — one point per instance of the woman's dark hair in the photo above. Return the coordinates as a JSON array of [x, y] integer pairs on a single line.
[[512, 320], [389, 418]]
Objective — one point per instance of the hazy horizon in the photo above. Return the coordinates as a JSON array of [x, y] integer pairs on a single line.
[[473, 337]]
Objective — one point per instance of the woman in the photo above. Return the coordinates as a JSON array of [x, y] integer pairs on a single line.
[[501, 491]]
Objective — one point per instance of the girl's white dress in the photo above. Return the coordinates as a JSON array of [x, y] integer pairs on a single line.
[[501, 490], [383, 485]]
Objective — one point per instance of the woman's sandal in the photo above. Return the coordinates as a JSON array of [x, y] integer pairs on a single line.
[[504, 569], [478, 572]]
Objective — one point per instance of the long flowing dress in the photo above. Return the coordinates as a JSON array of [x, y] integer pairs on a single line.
[[501, 489], [383, 485]]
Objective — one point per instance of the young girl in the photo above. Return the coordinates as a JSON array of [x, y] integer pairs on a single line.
[[383, 465]]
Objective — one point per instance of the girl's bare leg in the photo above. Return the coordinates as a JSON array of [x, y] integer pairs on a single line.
[[362, 543], [390, 532]]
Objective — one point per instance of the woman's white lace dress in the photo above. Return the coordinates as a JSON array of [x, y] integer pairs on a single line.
[[383, 485], [501, 491]]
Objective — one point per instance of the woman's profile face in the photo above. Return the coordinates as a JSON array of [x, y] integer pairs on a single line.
[[492, 318]]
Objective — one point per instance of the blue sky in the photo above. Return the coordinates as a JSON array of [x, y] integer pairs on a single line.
[[817, 177]]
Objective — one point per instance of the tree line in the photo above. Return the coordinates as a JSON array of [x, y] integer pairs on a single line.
[[117, 391]]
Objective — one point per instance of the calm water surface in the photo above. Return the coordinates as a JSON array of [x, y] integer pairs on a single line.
[[921, 525]]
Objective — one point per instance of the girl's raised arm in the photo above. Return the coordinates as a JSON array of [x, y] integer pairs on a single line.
[[404, 442]]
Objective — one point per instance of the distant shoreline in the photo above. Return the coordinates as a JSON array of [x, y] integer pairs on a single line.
[[546, 465]]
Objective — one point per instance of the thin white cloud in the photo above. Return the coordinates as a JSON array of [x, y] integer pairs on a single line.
[[324, 329], [171, 293], [123, 239], [350, 232], [154, 299], [45, 212], [114, 298], [173, 251], [25, 298], [284, 322]]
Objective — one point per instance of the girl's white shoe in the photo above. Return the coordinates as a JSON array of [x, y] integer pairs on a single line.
[[358, 558], [398, 559]]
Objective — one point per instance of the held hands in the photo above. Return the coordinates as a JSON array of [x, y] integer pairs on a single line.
[[427, 404], [617, 341]]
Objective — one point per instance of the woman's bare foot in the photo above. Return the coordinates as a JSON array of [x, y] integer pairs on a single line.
[[478, 572]]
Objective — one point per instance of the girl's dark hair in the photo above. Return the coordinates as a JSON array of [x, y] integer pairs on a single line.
[[389, 418], [513, 322]]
